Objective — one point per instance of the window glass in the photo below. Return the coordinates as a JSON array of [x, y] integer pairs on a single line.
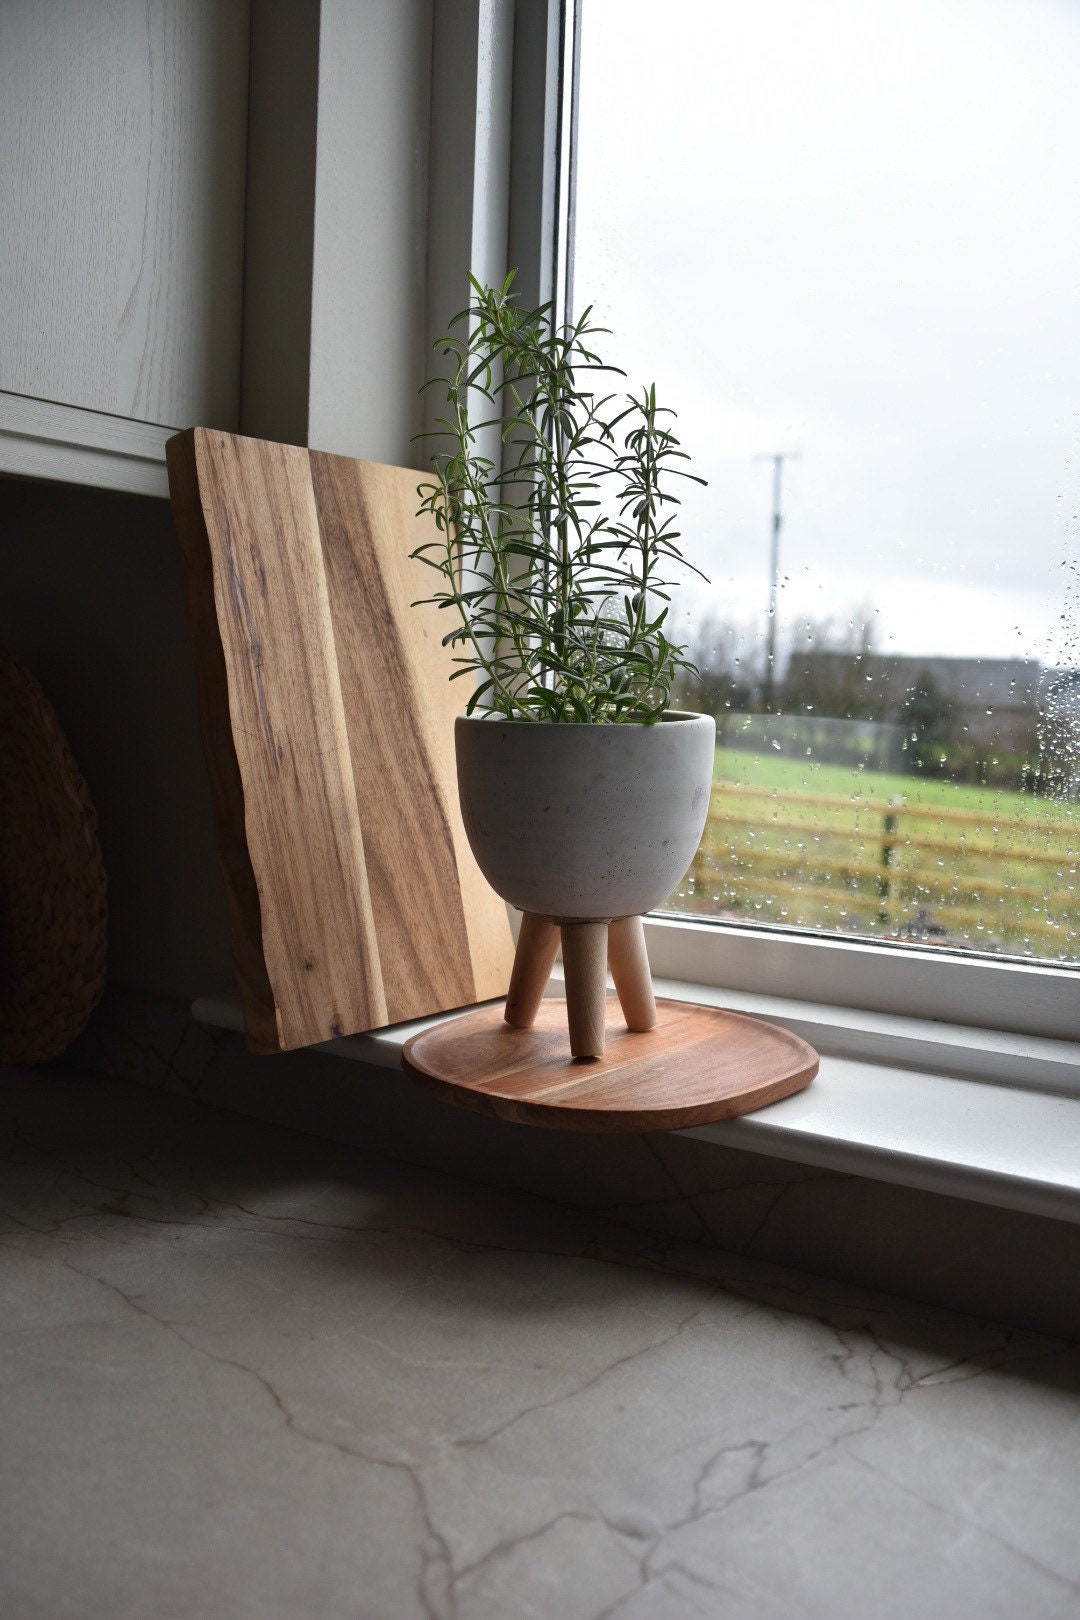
[[843, 239]]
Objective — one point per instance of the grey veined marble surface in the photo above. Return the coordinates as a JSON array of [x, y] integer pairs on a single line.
[[250, 1374]]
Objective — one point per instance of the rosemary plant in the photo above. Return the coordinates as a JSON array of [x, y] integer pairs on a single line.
[[553, 561]]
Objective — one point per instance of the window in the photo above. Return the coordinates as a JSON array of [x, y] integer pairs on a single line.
[[517, 159], [841, 239]]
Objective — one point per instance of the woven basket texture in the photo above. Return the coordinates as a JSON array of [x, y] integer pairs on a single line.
[[52, 879]]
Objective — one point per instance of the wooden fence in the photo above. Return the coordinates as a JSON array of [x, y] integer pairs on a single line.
[[891, 869]]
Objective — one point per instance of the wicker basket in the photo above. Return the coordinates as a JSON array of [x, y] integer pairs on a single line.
[[52, 879]]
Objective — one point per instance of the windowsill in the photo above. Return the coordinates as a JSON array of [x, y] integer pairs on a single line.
[[970, 1113]]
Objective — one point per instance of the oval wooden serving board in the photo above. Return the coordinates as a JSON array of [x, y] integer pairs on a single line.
[[698, 1065]]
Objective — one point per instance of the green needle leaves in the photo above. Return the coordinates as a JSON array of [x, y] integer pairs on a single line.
[[554, 561]]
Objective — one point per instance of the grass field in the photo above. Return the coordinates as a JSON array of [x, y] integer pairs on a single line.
[[857, 851], [797, 776]]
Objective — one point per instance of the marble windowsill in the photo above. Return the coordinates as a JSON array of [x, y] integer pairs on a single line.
[[253, 1375], [970, 1114]]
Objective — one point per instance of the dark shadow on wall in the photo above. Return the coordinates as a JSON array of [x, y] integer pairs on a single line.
[[91, 595]]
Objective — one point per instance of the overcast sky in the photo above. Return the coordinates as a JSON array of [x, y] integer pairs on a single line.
[[851, 228]]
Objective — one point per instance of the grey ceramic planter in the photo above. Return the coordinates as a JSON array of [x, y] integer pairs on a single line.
[[585, 822]]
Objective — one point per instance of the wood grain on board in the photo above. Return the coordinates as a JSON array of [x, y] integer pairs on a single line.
[[698, 1064], [327, 716]]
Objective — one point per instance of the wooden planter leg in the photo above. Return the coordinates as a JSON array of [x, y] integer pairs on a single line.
[[538, 943], [584, 951], [629, 963]]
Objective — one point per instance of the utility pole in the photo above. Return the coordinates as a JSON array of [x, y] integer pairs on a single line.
[[777, 457]]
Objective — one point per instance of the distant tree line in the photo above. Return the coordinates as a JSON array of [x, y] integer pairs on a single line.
[[937, 739]]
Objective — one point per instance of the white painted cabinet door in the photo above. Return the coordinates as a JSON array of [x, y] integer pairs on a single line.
[[123, 132]]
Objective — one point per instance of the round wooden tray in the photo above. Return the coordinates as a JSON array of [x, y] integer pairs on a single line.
[[698, 1065]]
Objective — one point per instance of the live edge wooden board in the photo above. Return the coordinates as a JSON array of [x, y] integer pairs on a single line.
[[697, 1065], [327, 715]]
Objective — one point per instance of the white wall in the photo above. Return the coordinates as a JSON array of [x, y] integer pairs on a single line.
[[337, 252], [370, 257]]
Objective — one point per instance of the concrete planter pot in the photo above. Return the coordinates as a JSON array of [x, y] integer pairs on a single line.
[[584, 828], [585, 822]]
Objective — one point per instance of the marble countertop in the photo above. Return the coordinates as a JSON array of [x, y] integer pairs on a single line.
[[249, 1375]]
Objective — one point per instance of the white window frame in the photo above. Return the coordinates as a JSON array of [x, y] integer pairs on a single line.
[[500, 195]]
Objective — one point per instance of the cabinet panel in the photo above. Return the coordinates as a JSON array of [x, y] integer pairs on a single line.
[[123, 128]]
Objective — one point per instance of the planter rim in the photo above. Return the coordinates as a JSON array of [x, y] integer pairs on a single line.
[[587, 725]]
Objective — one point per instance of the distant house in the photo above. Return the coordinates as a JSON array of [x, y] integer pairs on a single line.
[[997, 699]]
